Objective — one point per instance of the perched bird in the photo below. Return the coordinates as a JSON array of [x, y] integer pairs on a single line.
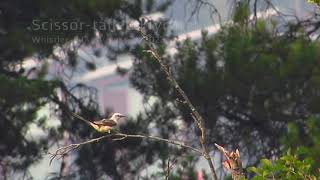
[[105, 125]]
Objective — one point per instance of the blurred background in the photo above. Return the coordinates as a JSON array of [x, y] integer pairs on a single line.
[[250, 67]]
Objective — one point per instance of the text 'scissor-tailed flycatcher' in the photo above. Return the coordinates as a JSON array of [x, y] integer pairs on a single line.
[[106, 125]]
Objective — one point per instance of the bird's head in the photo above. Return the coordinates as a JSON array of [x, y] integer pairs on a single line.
[[117, 116]]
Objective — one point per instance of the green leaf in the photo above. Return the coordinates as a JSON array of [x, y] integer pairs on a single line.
[[265, 173], [266, 162], [254, 169]]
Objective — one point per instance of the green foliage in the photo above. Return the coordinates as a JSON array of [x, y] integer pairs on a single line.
[[20, 100], [317, 2], [305, 141], [26, 21], [21, 97], [241, 13], [286, 167], [247, 73], [302, 158], [17, 91]]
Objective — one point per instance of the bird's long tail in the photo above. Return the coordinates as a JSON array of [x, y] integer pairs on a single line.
[[81, 118]]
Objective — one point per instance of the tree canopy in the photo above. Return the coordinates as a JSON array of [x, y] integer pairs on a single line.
[[248, 80], [256, 83]]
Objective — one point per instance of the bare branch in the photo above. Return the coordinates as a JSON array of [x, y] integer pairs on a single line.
[[232, 163], [200, 3], [170, 167], [118, 137], [195, 114], [66, 149], [175, 142]]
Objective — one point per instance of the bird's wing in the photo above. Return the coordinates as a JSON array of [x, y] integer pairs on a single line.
[[105, 122]]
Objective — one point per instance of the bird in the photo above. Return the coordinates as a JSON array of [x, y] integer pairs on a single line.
[[105, 125]]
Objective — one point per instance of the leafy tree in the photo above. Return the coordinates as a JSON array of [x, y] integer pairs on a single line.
[[304, 141], [301, 160], [24, 91], [248, 80], [20, 100], [287, 167]]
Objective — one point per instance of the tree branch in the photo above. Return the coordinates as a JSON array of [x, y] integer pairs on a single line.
[[117, 137], [195, 114], [169, 167], [175, 142], [66, 149], [211, 7], [232, 163]]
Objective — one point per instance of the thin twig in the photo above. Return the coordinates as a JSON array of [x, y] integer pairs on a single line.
[[117, 137], [175, 142], [195, 114], [66, 149], [211, 7], [170, 167]]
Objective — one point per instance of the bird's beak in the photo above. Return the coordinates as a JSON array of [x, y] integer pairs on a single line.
[[123, 116]]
